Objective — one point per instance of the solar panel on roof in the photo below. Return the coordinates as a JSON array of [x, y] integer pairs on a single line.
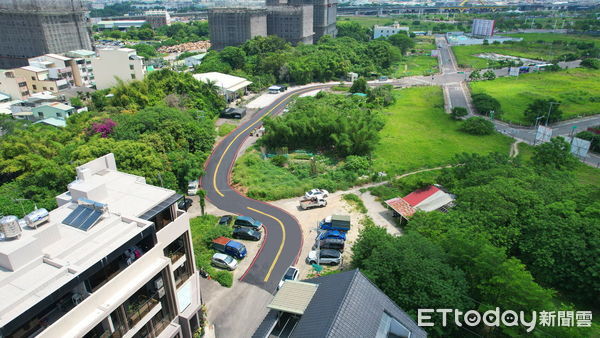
[[82, 217], [90, 221], [74, 214]]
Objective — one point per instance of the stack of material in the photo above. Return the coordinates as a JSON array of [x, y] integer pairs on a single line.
[[201, 46]]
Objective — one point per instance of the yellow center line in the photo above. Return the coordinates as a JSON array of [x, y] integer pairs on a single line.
[[244, 132], [280, 245]]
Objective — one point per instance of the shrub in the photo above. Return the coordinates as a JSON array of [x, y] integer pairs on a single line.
[[591, 63], [224, 278], [354, 200], [458, 112], [489, 75], [279, 160], [357, 164], [478, 126], [484, 103]]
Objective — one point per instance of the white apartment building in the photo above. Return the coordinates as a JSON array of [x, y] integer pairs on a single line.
[[122, 63], [83, 62], [115, 259], [387, 31]]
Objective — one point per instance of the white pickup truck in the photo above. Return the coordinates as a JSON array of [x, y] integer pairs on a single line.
[[312, 202]]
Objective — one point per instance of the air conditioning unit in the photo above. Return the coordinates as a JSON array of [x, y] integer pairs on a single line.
[[158, 284]]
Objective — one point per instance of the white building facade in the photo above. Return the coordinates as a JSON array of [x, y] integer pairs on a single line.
[[122, 63], [115, 259], [387, 31]]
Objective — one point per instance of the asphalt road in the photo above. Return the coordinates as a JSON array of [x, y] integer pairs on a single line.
[[283, 241]]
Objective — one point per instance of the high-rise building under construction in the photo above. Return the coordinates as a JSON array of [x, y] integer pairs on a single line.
[[29, 28]]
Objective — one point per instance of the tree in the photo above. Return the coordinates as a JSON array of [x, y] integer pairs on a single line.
[[359, 86], [234, 56], [547, 110], [382, 96], [591, 63], [475, 75], [402, 41], [353, 30], [145, 50], [484, 104], [458, 112], [202, 200], [478, 126], [555, 154], [489, 75]]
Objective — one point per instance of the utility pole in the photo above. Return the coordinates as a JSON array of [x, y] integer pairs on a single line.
[[549, 110]]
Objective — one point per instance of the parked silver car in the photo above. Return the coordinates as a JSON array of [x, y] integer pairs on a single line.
[[224, 261], [325, 256]]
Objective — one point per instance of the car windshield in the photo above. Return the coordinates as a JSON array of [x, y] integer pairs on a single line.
[[228, 259], [289, 274]]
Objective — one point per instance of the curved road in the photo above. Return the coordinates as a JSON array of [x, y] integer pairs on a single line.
[[283, 242]]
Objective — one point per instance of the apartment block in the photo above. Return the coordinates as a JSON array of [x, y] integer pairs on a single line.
[[13, 85], [39, 79], [122, 63], [83, 62], [114, 259], [157, 18], [234, 26], [59, 67], [35, 27]]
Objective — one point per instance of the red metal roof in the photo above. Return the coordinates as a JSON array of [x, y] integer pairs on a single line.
[[401, 206], [418, 196], [221, 240]]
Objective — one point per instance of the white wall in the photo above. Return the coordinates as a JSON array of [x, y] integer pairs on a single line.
[[115, 63]]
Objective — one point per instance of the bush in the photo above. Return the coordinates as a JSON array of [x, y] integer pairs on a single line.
[[478, 126], [591, 63], [225, 278], [279, 160], [484, 104], [458, 112], [357, 164]]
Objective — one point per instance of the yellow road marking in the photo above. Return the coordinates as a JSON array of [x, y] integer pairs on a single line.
[[280, 246], [243, 132]]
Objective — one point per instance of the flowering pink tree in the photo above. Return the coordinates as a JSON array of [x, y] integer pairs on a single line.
[[104, 128]]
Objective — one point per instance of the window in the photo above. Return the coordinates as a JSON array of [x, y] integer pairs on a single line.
[[131, 67], [41, 115], [34, 87], [45, 88], [133, 76], [33, 78], [389, 327], [51, 88]]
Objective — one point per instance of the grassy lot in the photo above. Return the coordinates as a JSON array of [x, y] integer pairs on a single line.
[[416, 65], [226, 128], [534, 46], [577, 89], [370, 21], [419, 134], [204, 230]]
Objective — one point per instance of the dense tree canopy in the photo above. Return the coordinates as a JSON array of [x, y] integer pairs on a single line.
[[339, 124], [354, 30], [546, 110]]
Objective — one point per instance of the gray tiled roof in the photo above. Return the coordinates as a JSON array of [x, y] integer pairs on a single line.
[[346, 304]]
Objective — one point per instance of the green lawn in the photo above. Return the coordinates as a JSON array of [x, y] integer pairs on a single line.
[[419, 134], [577, 89], [226, 128], [534, 46], [416, 65]]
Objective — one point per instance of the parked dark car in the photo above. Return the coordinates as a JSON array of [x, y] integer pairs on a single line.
[[330, 243], [225, 220], [233, 113], [247, 221], [246, 233], [185, 204]]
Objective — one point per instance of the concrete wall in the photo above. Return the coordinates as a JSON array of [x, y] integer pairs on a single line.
[[115, 63]]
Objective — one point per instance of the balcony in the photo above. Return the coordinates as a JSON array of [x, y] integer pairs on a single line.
[[140, 306]]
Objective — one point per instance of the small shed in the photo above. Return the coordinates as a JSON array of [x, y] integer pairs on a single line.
[[428, 199]]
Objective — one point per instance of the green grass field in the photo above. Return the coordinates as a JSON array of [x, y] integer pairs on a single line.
[[416, 65], [419, 134], [577, 89], [226, 128], [534, 46]]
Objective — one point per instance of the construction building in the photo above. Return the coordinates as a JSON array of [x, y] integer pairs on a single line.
[[30, 28], [114, 259], [296, 21], [234, 26], [482, 28], [157, 18]]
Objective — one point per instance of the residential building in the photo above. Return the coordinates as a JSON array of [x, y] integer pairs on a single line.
[[482, 28], [35, 27], [194, 60], [55, 110], [13, 85], [83, 62], [291, 23], [114, 259], [157, 18], [39, 79], [229, 86], [59, 67], [234, 26], [344, 304], [122, 63], [121, 25], [387, 31]]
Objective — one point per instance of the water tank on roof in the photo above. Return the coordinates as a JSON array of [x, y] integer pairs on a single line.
[[36, 217], [9, 226]]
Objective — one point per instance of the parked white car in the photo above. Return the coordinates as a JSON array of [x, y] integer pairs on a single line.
[[224, 261], [318, 193], [292, 273], [192, 188]]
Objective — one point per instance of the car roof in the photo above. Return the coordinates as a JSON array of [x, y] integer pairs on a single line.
[[246, 218], [220, 255], [332, 240], [330, 252], [244, 229]]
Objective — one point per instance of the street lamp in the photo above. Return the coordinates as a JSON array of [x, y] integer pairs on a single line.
[[549, 110]]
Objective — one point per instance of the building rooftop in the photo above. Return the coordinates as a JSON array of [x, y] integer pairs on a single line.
[[53, 121], [82, 53], [59, 57], [293, 297], [34, 69], [44, 259], [224, 81]]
